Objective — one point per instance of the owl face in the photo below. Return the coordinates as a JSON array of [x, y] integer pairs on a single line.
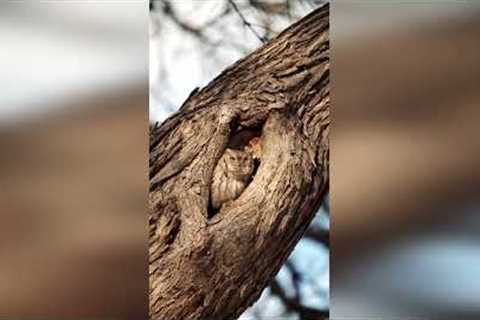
[[239, 164]]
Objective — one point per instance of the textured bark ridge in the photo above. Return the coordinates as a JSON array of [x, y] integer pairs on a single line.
[[208, 264]]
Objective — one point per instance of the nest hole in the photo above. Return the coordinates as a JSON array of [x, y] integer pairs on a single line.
[[244, 139]]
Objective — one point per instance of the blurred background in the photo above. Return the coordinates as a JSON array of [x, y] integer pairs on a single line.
[[73, 159], [404, 161]]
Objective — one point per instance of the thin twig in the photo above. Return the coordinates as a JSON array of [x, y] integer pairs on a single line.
[[246, 23], [169, 11]]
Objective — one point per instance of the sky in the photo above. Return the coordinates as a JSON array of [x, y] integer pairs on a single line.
[[61, 51]]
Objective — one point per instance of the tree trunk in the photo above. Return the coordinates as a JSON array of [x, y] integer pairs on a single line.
[[206, 264]]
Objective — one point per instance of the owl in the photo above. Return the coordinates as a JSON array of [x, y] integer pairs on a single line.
[[231, 176]]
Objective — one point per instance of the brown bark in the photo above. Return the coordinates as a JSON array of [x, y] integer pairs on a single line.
[[213, 265]]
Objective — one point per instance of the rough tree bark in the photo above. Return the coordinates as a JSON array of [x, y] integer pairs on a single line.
[[213, 265]]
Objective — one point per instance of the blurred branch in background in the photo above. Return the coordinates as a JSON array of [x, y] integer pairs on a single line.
[[73, 204], [73, 160], [405, 157]]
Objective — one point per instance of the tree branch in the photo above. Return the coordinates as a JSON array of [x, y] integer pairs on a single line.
[[213, 265]]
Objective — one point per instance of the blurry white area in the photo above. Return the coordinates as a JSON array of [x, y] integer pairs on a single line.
[[56, 51]]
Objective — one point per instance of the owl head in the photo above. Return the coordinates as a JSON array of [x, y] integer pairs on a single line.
[[239, 164]]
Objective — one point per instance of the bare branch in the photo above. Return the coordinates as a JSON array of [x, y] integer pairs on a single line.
[[319, 235], [306, 313], [170, 12], [246, 23]]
